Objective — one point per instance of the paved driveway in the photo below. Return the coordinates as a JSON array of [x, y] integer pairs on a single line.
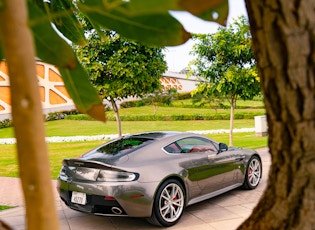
[[226, 211]]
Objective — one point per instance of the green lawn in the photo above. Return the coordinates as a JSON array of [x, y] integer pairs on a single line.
[[87, 128], [240, 103], [162, 110], [59, 151]]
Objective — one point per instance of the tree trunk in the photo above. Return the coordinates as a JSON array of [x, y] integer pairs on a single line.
[[283, 39], [155, 108], [27, 117], [118, 121], [232, 120]]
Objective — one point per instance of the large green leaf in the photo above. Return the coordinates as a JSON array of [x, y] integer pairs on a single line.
[[66, 22], [50, 47], [143, 7], [39, 3], [145, 21], [215, 10], [82, 92]]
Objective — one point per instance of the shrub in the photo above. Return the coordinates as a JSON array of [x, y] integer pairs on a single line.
[[6, 123], [54, 116], [182, 96], [163, 99], [60, 115], [140, 103], [79, 117], [130, 104], [173, 117]]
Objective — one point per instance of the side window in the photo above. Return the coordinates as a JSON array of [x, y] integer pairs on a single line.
[[196, 144], [172, 148]]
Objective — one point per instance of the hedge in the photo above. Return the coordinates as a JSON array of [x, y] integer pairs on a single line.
[[6, 123], [173, 117], [74, 115], [148, 101]]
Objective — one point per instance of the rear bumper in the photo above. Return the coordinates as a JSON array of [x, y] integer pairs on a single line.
[[97, 205], [132, 199]]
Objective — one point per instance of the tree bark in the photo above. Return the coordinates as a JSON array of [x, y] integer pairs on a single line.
[[283, 39], [232, 109], [27, 117], [118, 121]]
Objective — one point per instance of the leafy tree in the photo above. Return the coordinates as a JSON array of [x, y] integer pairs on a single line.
[[202, 98], [225, 61], [28, 33], [121, 68], [283, 42], [161, 96]]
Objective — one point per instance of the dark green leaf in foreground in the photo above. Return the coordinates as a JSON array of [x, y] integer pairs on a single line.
[[132, 19], [215, 10], [82, 92], [66, 21], [50, 47]]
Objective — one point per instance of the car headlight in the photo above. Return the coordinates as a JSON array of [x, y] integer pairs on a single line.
[[115, 176]]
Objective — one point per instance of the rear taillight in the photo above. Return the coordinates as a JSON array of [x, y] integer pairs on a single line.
[[62, 171], [116, 176]]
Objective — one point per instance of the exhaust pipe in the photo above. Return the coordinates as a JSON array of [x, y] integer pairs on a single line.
[[116, 210]]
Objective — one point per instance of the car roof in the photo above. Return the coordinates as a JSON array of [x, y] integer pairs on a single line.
[[157, 135]]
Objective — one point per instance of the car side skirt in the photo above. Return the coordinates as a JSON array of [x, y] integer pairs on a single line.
[[213, 194]]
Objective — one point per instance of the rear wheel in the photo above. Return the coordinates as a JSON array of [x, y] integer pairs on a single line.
[[253, 173], [168, 204]]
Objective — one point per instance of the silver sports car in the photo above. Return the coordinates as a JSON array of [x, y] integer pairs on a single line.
[[155, 175]]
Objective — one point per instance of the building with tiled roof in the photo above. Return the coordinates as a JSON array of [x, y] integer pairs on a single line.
[[54, 95]]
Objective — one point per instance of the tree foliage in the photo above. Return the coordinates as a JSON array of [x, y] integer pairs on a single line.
[[283, 38], [129, 18], [30, 31], [120, 68], [225, 62], [161, 96]]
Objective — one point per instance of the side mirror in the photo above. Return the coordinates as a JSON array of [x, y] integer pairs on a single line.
[[223, 147]]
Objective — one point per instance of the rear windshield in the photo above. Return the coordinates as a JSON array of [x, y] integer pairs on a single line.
[[123, 145]]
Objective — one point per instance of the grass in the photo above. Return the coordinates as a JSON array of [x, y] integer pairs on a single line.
[[240, 103], [148, 110], [86, 128], [59, 151]]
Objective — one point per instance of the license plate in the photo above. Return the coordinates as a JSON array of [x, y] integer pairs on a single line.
[[78, 198]]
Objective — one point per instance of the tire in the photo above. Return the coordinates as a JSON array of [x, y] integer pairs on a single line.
[[169, 204], [253, 173]]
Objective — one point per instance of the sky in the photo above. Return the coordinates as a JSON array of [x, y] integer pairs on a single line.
[[178, 57]]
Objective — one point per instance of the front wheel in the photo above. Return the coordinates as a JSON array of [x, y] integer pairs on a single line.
[[168, 204], [253, 173]]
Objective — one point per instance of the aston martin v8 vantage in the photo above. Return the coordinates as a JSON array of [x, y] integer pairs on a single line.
[[155, 175]]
